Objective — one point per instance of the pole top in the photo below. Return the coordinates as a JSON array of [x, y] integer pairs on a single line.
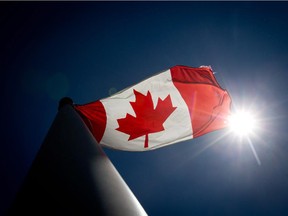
[[65, 101]]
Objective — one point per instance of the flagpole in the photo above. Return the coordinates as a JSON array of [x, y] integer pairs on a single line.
[[72, 175]]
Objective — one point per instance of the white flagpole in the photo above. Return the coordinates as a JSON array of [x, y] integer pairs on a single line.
[[71, 175]]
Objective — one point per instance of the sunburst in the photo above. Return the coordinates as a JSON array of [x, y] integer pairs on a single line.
[[242, 123]]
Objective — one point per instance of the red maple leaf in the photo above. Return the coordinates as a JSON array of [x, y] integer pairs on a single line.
[[147, 119]]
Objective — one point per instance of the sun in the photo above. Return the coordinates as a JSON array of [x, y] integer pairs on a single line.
[[245, 125], [242, 123]]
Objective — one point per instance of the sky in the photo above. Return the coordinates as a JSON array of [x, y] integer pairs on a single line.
[[90, 50]]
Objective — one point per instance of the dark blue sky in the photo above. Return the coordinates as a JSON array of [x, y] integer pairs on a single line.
[[87, 49]]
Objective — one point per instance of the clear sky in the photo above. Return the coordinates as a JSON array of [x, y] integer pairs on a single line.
[[88, 50]]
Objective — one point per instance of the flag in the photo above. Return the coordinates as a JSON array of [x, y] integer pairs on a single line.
[[178, 104]]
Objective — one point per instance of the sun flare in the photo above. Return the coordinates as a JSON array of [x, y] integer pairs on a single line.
[[242, 123]]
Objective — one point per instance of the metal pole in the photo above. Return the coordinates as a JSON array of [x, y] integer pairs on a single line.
[[71, 175]]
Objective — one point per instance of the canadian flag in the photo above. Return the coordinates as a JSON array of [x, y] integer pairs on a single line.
[[175, 105]]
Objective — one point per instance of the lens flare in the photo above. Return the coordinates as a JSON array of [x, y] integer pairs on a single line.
[[242, 123]]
